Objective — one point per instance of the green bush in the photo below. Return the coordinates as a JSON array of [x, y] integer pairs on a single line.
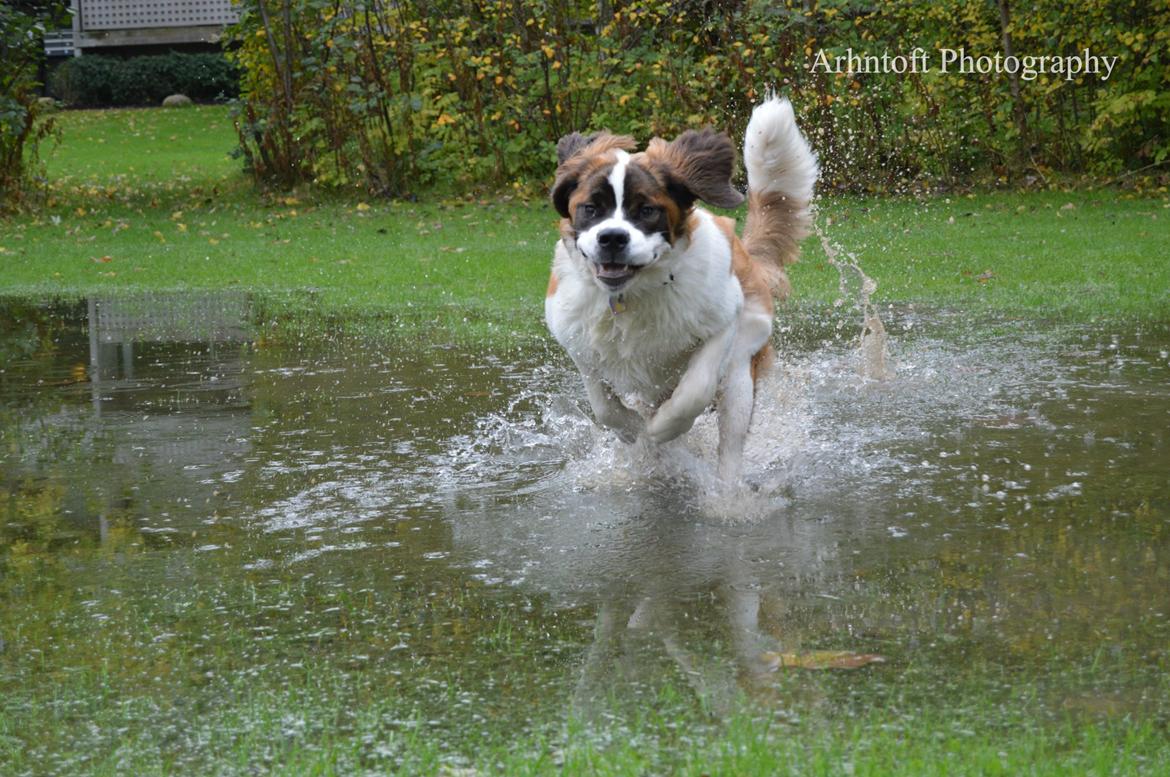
[[24, 122], [84, 81], [396, 95], [98, 81]]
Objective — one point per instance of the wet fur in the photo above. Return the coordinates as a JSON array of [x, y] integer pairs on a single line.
[[692, 324]]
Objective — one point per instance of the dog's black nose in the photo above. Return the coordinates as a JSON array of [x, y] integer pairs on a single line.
[[613, 240]]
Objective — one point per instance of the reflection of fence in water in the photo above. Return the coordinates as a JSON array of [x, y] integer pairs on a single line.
[[171, 317], [182, 435], [115, 324], [165, 434]]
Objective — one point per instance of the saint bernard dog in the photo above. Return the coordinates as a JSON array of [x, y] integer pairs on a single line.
[[662, 307]]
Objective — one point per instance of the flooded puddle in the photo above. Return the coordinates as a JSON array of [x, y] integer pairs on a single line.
[[199, 518]]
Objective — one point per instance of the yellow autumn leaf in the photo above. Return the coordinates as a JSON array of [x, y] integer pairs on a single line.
[[820, 659], [444, 119]]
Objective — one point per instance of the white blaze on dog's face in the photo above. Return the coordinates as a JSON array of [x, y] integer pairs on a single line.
[[623, 211]]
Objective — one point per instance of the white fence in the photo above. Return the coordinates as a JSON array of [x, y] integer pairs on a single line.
[[104, 23], [97, 15]]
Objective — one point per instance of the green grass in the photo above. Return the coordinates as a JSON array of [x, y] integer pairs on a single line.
[[316, 729], [149, 199], [133, 146]]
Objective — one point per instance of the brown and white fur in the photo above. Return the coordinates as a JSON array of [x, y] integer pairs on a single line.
[[662, 307]]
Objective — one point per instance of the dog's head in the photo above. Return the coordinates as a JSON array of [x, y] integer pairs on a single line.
[[625, 210]]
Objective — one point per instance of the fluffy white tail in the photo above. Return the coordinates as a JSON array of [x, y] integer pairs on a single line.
[[782, 171]]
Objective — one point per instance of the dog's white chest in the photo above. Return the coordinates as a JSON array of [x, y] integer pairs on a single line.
[[641, 350]]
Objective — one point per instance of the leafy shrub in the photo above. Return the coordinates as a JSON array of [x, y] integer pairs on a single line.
[[23, 123], [84, 81], [95, 80], [395, 95]]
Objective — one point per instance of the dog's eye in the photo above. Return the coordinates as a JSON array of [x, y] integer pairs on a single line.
[[648, 212], [587, 210]]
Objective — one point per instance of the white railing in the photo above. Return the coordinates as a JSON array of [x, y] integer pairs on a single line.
[[59, 43], [100, 15]]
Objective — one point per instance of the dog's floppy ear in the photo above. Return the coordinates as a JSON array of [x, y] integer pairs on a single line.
[[572, 143], [698, 165], [573, 154]]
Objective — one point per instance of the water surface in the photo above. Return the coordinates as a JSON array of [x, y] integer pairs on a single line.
[[205, 520]]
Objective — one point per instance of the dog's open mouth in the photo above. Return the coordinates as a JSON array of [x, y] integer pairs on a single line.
[[614, 274]]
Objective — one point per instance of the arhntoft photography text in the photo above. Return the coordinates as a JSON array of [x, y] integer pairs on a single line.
[[959, 61]]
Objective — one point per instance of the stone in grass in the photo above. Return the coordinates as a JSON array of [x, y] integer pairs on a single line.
[[177, 101]]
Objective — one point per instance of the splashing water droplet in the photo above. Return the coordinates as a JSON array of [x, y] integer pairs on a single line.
[[873, 342]]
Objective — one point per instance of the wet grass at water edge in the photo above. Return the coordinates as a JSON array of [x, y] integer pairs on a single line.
[[149, 199]]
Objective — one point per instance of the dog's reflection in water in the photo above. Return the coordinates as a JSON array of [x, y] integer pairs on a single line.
[[689, 631], [672, 585]]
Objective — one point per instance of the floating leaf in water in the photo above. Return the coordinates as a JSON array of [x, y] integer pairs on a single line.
[[820, 659]]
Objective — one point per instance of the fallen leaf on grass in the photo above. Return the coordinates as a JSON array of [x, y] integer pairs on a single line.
[[103, 259], [820, 659]]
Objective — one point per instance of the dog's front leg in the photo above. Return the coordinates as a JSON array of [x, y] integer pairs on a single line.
[[695, 391], [610, 412]]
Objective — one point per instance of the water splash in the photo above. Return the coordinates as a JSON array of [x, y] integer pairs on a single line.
[[873, 342]]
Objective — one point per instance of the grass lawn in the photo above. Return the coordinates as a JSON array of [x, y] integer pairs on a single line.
[[150, 199]]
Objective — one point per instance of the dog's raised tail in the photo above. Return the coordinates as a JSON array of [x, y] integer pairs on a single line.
[[782, 171]]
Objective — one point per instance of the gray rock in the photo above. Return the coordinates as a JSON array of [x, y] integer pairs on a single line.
[[177, 101]]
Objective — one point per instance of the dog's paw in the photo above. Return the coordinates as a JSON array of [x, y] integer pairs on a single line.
[[664, 427]]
